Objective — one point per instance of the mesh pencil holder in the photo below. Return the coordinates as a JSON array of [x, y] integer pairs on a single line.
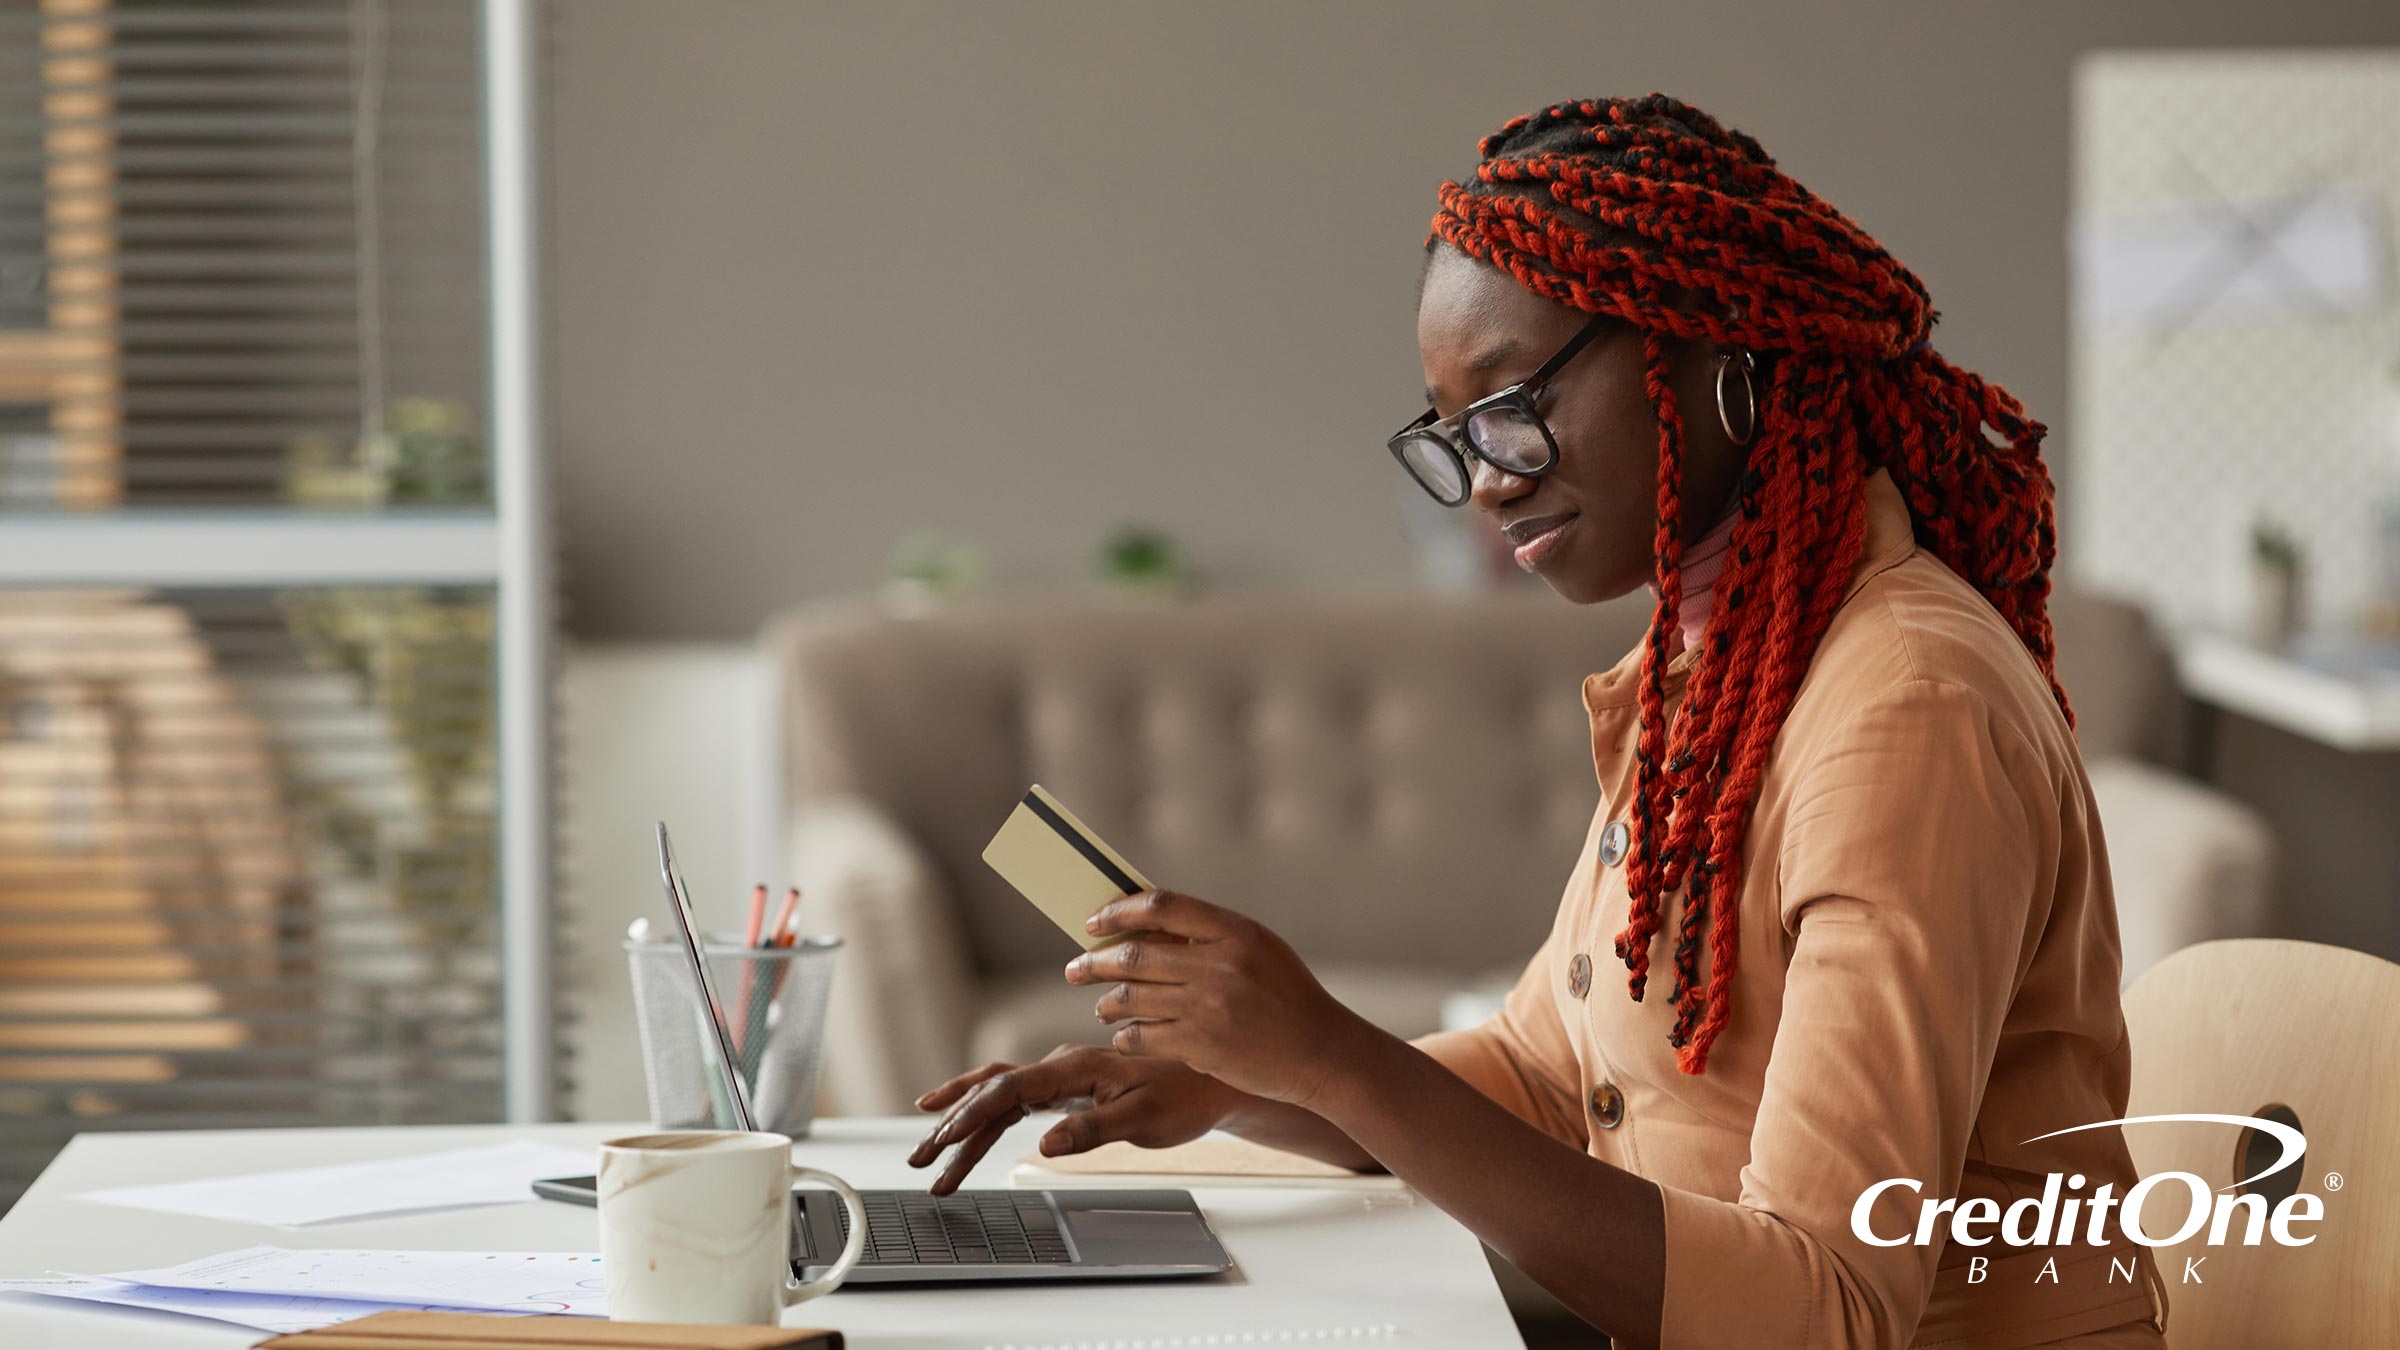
[[775, 1010]]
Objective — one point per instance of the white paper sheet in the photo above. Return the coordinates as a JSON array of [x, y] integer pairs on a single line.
[[494, 1174], [522, 1282], [266, 1312], [2311, 257]]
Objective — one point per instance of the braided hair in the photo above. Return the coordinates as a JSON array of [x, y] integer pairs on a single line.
[[1606, 204]]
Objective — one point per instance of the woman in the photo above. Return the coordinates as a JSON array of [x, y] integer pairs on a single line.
[[1841, 804]]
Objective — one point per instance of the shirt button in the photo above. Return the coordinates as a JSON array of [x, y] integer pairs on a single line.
[[1608, 1106], [1579, 975], [1612, 843]]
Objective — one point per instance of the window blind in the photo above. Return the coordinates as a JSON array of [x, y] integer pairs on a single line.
[[244, 253], [251, 838], [246, 853]]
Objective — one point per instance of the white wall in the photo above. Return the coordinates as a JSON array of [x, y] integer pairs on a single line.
[[1023, 273], [656, 731]]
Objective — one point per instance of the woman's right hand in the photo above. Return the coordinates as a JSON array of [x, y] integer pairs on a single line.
[[1137, 1098]]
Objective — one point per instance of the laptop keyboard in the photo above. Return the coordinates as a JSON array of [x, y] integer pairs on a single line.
[[966, 1228]]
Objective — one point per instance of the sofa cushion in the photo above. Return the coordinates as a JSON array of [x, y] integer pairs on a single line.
[[1387, 780], [1026, 1016], [2120, 676], [2190, 864]]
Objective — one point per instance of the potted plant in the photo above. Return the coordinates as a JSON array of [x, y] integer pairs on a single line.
[[2274, 585], [1140, 561], [926, 570]]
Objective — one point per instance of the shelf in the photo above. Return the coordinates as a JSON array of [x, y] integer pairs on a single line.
[[261, 549], [2358, 712]]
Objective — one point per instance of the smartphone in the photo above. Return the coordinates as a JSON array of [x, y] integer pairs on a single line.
[[573, 1190]]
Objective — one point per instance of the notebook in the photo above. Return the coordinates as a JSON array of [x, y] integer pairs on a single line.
[[482, 1331], [1211, 1160]]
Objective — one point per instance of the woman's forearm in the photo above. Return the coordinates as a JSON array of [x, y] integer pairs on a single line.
[[1592, 1234], [1295, 1130], [1213, 989]]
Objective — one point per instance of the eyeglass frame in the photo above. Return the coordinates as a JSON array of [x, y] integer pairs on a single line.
[[1450, 432]]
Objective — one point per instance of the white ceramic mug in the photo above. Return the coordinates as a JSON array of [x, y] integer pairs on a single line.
[[696, 1226]]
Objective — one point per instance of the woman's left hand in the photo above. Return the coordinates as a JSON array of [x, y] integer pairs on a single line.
[[1219, 992]]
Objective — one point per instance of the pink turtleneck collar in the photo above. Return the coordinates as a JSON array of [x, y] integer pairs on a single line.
[[1703, 560]]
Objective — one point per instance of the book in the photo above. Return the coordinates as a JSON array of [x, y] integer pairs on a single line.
[[1212, 1160]]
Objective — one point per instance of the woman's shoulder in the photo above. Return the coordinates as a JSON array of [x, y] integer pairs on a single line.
[[1916, 641], [1925, 761]]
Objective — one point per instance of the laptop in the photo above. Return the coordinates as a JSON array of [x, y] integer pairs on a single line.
[[994, 1235]]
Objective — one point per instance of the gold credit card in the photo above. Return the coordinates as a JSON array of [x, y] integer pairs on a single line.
[[1060, 865]]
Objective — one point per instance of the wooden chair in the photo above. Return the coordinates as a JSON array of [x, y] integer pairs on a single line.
[[2255, 1027]]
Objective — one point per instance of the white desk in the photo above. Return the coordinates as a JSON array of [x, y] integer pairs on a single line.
[[2354, 711], [1304, 1260]]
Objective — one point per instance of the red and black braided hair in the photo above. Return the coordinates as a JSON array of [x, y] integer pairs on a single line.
[[1612, 206]]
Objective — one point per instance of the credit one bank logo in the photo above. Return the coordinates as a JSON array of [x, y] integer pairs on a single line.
[[2161, 1210]]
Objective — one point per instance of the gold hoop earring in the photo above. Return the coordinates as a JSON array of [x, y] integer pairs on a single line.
[[1749, 419]]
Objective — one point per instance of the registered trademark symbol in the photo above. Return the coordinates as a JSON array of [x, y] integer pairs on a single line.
[[2333, 1181]]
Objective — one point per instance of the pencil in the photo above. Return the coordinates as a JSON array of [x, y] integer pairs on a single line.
[[781, 934], [786, 932], [758, 914]]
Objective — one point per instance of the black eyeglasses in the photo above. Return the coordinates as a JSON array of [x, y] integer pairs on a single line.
[[1504, 430]]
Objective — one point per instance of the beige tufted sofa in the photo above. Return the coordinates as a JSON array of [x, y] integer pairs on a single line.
[[1395, 782]]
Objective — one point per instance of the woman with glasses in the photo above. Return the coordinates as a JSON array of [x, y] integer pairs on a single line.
[[1845, 865]]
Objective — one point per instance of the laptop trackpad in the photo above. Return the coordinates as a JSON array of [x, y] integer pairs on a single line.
[[1137, 1225]]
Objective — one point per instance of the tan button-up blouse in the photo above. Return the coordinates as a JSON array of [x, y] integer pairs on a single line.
[[1928, 979]]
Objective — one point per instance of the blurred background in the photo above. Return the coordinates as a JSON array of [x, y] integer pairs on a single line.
[[426, 460]]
